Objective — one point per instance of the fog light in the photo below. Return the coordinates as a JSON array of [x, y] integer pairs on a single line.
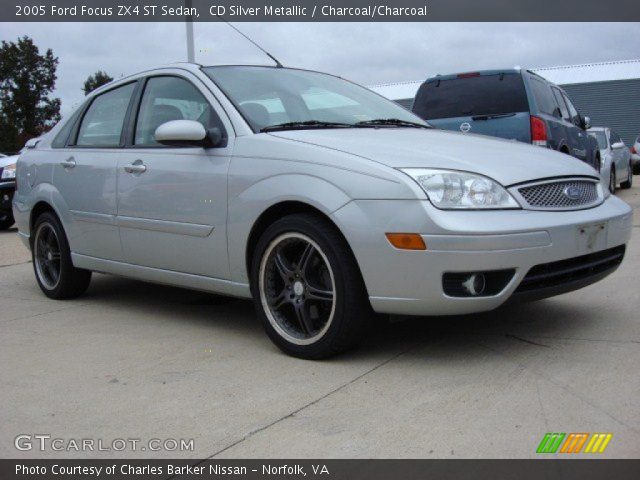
[[475, 284]]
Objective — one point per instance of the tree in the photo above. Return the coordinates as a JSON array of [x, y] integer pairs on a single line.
[[26, 81], [96, 80]]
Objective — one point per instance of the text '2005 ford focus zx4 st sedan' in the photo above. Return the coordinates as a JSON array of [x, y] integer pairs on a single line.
[[318, 198]]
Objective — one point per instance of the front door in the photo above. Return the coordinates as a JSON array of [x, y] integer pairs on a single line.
[[85, 175], [172, 201]]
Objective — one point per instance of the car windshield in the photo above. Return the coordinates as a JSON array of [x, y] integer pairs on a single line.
[[601, 138], [272, 98]]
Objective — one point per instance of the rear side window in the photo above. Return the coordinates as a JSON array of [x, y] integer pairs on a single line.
[[471, 96], [103, 122], [61, 138], [544, 98], [171, 98]]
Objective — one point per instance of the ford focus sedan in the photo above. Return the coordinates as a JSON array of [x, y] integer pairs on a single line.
[[319, 199]]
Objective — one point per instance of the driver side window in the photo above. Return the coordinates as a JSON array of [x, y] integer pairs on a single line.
[[171, 98]]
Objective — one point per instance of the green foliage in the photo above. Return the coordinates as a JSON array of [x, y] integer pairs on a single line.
[[27, 79], [96, 80]]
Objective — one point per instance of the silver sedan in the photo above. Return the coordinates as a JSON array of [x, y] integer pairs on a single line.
[[319, 199], [616, 166]]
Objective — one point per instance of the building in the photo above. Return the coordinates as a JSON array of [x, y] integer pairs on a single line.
[[607, 92]]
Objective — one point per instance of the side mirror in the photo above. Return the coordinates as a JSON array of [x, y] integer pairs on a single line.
[[188, 133], [587, 123], [181, 133], [617, 145], [557, 113]]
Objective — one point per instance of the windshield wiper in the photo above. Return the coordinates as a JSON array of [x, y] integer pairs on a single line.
[[305, 124], [490, 117], [391, 122]]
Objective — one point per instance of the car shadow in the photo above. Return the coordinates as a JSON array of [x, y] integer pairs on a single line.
[[517, 326]]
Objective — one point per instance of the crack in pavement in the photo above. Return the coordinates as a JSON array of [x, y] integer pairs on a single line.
[[313, 402], [563, 387], [524, 340]]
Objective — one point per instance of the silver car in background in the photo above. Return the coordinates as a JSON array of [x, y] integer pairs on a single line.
[[635, 155], [615, 159], [316, 197]]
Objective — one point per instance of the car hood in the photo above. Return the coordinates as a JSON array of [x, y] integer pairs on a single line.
[[506, 161]]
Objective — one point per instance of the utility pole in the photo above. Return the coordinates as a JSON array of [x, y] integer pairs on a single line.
[[191, 57]]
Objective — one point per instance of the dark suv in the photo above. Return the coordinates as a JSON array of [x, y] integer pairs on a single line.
[[512, 104]]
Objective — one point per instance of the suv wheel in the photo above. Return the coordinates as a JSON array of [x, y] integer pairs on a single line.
[[629, 182], [55, 273], [307, 287], [6, 220]]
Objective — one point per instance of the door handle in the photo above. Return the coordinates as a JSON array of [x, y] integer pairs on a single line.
[[135, 168], [68, 163]]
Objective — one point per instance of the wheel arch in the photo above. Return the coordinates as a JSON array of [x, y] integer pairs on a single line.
[[276, 212]]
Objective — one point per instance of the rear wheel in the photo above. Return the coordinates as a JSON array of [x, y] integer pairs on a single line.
[[55, 273], [307, 288], [629, 182]]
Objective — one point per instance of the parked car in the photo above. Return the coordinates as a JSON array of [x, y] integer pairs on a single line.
[[513, 104], [635, 155], [616, 167], [7, 188], [318, 198]]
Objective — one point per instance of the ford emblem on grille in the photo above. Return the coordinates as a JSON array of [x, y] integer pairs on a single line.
[[572, 192]]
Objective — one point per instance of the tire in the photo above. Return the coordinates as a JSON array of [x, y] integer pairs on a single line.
[[307, 288], [612, 180], [6, 220], [629, 182], [55, 273]]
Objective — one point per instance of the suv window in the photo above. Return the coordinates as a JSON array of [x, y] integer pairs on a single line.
[[544, 98], [615, 138], [102, 123], [560, 101], [470, 96], [171, 98], [574, 115]]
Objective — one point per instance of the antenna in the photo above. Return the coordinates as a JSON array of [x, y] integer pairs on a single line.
[[278, 64]]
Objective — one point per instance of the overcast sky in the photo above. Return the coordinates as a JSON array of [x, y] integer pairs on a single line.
[[367, 53]]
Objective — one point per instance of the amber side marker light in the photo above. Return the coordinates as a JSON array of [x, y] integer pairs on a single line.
[[406, 241]]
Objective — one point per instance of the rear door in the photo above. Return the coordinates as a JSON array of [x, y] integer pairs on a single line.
[[85, 174], [580, 145], [172, 206], [492, 104]]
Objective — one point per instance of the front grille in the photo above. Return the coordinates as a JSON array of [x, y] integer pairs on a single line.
[[561, 194], [559, 273]]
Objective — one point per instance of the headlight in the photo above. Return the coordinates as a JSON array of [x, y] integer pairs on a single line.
[[9, 172], [450, 189]]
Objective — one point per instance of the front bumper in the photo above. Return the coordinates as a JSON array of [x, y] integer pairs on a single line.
[[410, 282], [7, 189]]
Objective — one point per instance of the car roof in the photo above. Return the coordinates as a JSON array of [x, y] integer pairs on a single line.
[[450, 76], [194, 68], [597, 129]]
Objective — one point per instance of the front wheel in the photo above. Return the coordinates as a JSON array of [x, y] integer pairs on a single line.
[[629, 182], [55, 273], [307, 288]]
